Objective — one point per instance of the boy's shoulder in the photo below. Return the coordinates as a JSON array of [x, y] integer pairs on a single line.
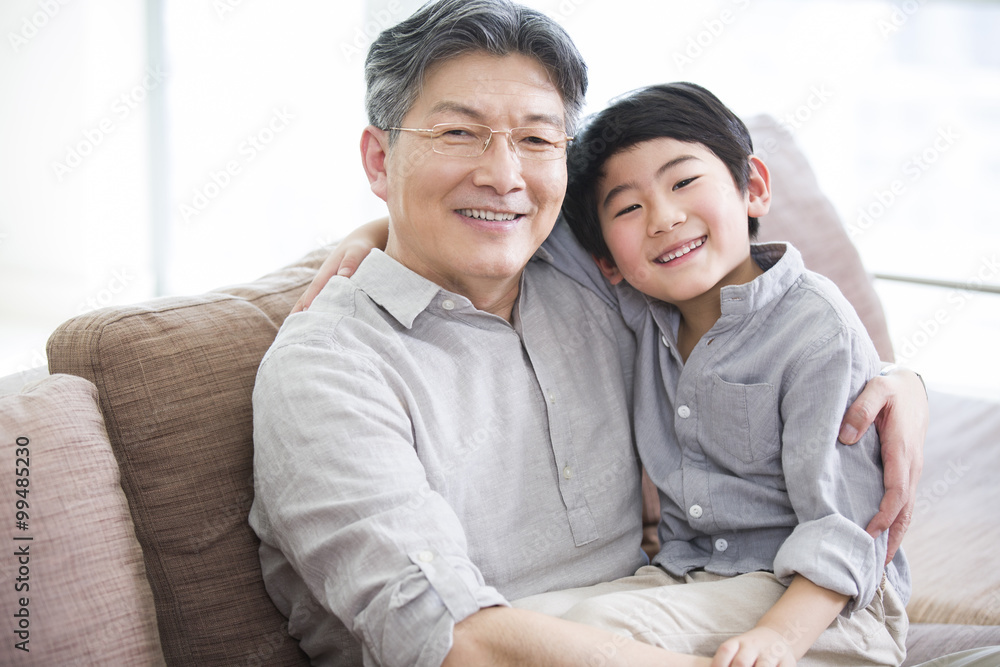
[[813, 303]]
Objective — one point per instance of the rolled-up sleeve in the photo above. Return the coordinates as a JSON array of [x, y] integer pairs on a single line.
[[341, 493], [834, 489]]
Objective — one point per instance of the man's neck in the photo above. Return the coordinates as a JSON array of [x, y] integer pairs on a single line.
[[493, 298], [490, 291]]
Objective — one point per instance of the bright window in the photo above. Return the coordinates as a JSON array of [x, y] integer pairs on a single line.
[[240, 154]]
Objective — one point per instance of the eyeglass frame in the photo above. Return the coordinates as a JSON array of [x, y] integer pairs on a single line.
[[510, 139]]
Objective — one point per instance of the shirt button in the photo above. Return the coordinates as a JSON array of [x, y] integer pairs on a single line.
[[552, 397], [721, 544], [684, 412], [663, 339], [695, 511], [448, 304], [425, 556], [567, 472]]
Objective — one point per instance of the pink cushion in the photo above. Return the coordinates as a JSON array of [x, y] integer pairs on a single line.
[[85, 588]]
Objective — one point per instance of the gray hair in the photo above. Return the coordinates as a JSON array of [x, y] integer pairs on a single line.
[[401, 55]]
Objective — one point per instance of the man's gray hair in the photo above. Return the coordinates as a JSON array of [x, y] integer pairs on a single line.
[[399, 58]]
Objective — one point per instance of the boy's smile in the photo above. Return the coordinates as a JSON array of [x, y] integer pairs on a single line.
[[676, 223]]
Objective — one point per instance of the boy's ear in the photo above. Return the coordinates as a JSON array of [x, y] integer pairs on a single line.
[[374, 153], [609, 269], [759, 188]]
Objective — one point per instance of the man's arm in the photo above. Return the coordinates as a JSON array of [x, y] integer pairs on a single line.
[[897, 404], [340, 492], [501, 636]]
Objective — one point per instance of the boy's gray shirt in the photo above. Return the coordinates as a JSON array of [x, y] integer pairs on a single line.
[[741, 440]]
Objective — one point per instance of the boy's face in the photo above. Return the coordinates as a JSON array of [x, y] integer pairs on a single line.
[[675, 221]]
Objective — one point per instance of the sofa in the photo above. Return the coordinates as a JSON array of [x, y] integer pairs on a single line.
[[132, 453]]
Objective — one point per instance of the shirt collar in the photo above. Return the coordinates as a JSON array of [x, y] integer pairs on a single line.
[[405, 294], [782, 265]]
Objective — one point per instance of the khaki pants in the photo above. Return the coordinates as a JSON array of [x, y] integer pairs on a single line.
[[697, 613]]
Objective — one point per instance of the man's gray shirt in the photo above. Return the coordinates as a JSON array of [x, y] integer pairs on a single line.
[[741, 438], [417, 459]]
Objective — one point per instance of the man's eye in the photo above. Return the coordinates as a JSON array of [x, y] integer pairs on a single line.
[[537, 141], [686, 181]]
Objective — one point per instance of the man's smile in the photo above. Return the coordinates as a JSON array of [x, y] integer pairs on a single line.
[[485, 214]]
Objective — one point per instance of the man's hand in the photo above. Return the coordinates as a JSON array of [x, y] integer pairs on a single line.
[[345, 258], [897, 404], [760, 647]]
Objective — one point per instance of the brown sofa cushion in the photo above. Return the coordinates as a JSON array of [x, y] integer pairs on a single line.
[[175, 378], [88, 600]]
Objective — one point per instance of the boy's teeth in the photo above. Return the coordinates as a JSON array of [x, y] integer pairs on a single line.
[[487, 215], [683, 250]]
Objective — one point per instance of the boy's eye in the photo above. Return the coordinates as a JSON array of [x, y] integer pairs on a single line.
[[686, 181], [627, 209]]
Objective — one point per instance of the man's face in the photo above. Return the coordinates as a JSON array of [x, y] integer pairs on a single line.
[[463, 222], [675, 221]]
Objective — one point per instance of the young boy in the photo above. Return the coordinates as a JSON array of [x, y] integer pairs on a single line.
[[758, 358]]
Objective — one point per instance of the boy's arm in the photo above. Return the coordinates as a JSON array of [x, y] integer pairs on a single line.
[[345, 258], [787, 630]]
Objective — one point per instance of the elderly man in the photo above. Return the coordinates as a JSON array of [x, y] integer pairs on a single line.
[[428, 444]]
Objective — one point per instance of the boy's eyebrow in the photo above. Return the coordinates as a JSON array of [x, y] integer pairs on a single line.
[[670, 164]]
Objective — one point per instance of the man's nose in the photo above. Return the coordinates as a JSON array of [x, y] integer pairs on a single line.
[[499, 167]]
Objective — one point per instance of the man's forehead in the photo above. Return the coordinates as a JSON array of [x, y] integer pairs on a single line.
[[478, 85]]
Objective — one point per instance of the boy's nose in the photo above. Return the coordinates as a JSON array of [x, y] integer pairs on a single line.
[[665, 217]]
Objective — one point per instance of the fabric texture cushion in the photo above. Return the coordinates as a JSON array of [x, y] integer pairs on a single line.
[[175, 377], [88, 600], [952, 542], [802, 214]]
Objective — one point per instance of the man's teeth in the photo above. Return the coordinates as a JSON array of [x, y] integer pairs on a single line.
[[487, 215], [683, 250]]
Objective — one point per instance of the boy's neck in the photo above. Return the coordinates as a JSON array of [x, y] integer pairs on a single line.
[[699, 315]]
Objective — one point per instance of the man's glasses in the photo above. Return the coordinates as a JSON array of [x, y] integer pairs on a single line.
[[466, 140]]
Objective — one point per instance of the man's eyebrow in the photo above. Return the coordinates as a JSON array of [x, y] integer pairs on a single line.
[[630, 185], [478, 117]]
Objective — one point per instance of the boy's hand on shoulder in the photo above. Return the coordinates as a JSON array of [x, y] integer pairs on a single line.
[[760, 647]]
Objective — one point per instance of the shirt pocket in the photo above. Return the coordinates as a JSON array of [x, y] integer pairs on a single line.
[[742, 420]]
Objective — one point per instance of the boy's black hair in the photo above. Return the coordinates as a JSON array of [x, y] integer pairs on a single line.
[[682, 111]]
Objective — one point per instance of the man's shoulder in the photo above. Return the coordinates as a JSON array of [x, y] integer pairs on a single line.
[[341, 319]]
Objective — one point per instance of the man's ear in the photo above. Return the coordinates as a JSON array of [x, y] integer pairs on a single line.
[[759, 188], [609, 269], [374, 153]]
